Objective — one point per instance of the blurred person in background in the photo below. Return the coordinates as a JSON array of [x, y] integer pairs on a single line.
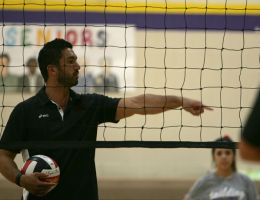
[[106, 81], [225, 182], [8, 82], [86, 81], [32, 81], [250, 140]]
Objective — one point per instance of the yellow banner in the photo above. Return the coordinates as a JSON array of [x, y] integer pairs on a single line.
[[170, 7]]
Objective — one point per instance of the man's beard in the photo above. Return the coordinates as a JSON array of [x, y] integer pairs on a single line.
[[67, 81]]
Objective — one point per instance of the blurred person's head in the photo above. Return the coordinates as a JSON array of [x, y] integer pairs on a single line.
[[106, 63], [4, 63], [225, 159], [32, 65]]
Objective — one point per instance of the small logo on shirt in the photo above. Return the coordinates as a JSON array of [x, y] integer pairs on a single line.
[[43, 116]]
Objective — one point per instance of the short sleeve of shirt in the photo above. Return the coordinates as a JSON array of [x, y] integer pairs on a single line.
[[107, 108], [251, 131], [97, 109], [14, 130]]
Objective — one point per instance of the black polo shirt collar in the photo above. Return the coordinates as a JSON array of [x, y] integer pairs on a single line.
[[44, 99]]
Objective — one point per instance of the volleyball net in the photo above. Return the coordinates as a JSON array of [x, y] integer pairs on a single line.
[[209, 51]]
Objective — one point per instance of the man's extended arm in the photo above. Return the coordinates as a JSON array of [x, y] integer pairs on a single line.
[[153, 104]]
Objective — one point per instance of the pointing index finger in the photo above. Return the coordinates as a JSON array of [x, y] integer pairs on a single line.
[[207, 107]]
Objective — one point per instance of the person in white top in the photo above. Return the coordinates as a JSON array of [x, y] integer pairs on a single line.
[[32, 81]]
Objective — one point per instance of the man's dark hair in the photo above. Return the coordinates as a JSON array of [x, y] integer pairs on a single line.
[[50, 54]]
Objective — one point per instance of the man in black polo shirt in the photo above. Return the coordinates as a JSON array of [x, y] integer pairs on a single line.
[[56, 113]]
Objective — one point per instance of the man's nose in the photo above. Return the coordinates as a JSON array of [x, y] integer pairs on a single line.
[[77, 66]]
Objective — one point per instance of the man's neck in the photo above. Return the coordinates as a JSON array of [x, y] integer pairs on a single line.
[[58, 94]]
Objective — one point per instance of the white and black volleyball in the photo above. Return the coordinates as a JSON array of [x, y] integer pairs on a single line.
[[43, 164]]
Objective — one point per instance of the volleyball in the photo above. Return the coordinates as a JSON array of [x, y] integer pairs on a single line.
[[43, 164]]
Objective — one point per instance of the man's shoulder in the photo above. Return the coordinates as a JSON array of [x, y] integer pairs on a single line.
[[25, 107], [31, 101], [97, 99], [90, 96]]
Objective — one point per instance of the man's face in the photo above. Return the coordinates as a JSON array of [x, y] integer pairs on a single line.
[[68, 71]]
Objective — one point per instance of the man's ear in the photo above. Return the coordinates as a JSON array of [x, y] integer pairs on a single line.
[[52, 69]]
